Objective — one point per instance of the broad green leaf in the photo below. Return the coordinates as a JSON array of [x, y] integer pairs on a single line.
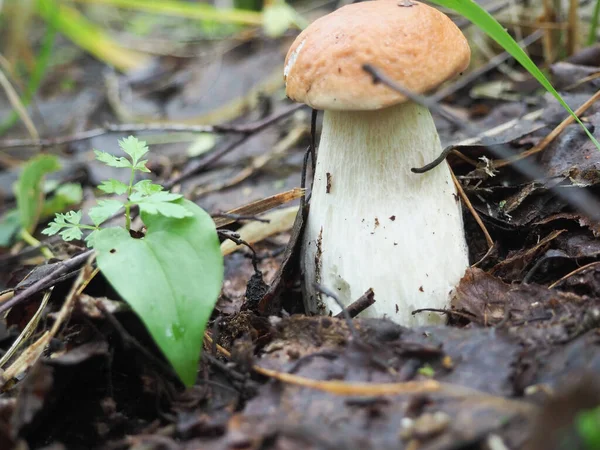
[[147, 187], [105, 210], [171, 278], [90, 239], [134, 148], [29, 189], [112, 160], [480, 17], [65, 196], [161, 203], [167, 209], [113, 186], [161, 196], [9, 227]]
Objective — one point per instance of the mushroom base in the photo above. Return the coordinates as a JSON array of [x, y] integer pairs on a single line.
[[374, 224]]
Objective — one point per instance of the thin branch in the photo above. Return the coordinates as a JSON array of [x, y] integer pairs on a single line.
[[358, 305], [469, 205], [18, 106], [197, 166], [247, 131], [550, 137], [491, 64], [249, 128], [49, 280], [239, 217], [574, 272]]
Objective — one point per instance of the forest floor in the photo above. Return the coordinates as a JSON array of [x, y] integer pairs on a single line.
[[517, 362]]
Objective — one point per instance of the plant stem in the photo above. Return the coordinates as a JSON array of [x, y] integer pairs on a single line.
[[128, 205], [29, 239]]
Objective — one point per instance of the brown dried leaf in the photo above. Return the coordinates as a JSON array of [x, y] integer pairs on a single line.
[[513, 267]]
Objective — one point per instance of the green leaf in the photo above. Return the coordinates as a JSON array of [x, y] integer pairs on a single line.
[[278, 17], [90, 239], [480, 17], [9, 227], [90, 37], [40, 69], [65, 196], [203, 143], [112, 160], [171, 278], [72, 233], [29, 189], [165, 209], [154, 197], [141, 166], [594, 24], [188, 10], [112, 186], [160, 203], [426, 371], [147, 187], [134, 148], [587, 423], [67, 225], [105, 210]]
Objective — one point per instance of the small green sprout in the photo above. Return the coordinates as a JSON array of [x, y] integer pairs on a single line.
[[150, 197], [172, 275], [427, 371]]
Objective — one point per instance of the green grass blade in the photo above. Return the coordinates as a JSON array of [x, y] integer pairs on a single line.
[[594, 24], [90, 37], [29, 189], [480, 17], [37, 74], [201, 11], [17, 105]]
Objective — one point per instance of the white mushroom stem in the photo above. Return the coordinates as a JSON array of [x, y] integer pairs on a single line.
[[375, 224]]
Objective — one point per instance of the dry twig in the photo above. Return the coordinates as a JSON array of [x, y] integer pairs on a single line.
[[550, 137], [249, 128]]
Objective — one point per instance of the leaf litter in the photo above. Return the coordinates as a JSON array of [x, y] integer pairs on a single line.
[[522, 340]]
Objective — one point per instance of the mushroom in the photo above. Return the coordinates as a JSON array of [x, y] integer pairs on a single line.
[[372, 223]]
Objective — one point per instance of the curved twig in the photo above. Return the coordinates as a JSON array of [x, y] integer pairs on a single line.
[[436, 162]]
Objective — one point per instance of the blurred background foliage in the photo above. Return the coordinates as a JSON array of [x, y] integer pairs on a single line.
[[123, 34], [37, 36]]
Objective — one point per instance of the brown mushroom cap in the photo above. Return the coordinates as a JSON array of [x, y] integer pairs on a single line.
[[417, 46]]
